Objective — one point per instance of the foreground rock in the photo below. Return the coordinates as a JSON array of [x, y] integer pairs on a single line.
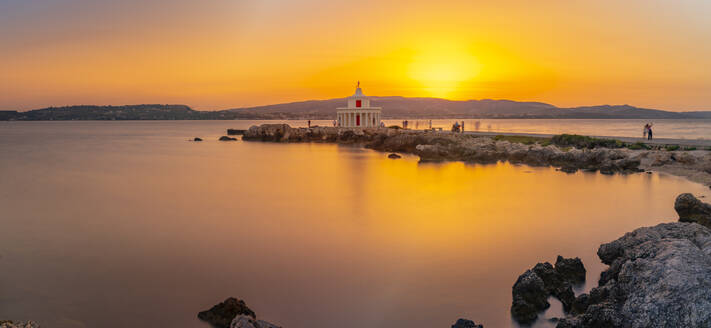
[[465, 323], [658, 277], [532, 289], [243, 321], [221, 315], [690, 209], [18, 324], [233, 313]]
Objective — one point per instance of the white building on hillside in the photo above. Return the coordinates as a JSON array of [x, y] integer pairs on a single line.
[[358, 114]]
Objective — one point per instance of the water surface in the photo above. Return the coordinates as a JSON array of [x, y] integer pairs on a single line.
[[116, 224]]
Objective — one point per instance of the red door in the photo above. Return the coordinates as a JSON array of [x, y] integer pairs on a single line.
[[358, 103], [358, 119]]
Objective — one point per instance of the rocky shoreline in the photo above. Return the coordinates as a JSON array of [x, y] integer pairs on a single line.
[[607, 157], [657, 277]]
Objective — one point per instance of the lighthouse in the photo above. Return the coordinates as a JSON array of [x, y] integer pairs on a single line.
[[358, 114]]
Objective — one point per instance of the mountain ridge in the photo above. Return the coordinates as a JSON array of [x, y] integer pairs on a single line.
[[393, 107]]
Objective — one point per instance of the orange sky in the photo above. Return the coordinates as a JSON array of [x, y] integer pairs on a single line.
[[216, 54]]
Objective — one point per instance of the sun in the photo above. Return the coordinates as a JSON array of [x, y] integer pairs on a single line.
[[441, 70]]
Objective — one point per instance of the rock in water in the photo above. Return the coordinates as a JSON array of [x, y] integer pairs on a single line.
[[555, 284], [529, 297], [690, 209], [658, 277], [394, 156], [226, 138], [243, 321], [197, 139], [221, 315], [465, 323], [571, 270]]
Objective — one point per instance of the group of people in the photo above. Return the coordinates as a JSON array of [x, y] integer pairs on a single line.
[[647, 132], [456, 127]]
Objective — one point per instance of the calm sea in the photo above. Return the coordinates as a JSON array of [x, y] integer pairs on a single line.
[[127, 224]]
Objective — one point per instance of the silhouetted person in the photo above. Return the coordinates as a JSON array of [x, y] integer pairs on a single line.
[[309, 123], [649, 132]]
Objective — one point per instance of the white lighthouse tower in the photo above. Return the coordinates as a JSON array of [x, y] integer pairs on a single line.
[[358, 114]]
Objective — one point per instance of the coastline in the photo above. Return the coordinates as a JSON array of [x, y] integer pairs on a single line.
[[569, 153]]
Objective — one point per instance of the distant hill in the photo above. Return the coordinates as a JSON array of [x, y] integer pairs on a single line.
[[126, 112], [393, 107], [402, 107]]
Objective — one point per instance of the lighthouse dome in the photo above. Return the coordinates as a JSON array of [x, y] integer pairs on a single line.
[[358, 92]]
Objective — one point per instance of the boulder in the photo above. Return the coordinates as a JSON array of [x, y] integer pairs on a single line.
[[657, 277], [221, 315], [690, 209], [197, 139], [529, 297], [571, 269], [394, 156], [244, 321], [466, 323], [226, 138], [555, 284]]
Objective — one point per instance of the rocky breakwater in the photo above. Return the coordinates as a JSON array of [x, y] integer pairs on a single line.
[[657, 277], [444, 146]]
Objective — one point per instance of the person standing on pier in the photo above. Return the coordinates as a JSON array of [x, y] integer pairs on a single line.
[[645, 130]]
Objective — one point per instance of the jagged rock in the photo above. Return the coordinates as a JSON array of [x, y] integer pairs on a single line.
[[571, 269], [18, 324], [197, 139], [555, 284], [394, 156], [466, 323], [226, 138], [557, 281], [221, 315], [244, 321], [529, 297], [690, 209], [658, 277]]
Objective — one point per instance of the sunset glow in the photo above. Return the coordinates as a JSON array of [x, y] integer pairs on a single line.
[[221, 54]]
